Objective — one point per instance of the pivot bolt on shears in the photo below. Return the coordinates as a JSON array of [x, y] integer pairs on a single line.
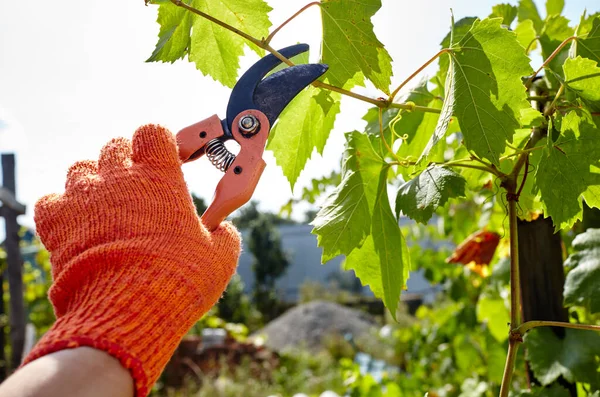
[[255, 104]]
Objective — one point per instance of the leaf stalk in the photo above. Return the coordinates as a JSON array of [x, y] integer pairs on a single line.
[[416, 72], [550, 58], [527, 326]]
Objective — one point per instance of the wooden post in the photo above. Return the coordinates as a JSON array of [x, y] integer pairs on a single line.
[[15, 266], [542, 278], [3, 362]]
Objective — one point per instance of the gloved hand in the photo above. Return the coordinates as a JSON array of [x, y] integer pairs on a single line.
[[132, 264]]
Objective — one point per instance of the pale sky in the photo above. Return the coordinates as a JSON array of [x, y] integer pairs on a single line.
[[73, 76]]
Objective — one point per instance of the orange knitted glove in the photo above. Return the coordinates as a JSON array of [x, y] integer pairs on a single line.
[[133, 266]]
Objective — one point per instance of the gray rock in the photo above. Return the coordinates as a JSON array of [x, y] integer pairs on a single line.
[[306, 325]]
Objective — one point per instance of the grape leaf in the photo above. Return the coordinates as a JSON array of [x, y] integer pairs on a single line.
[[303, 126], [489, 94], [215, 50], [507, 12], [460, 28], [350, 46], [589, 47], [556, 29], [390, 246], [526, 35], [363, 261], [174, 35], [495, 314], [564, 174], [344, 221], [528, 10], [554, 7], [583, 280], [573, 357], [421, 196], [582, 77]]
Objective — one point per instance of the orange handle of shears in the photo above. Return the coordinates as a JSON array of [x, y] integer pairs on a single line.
[[239, 182]]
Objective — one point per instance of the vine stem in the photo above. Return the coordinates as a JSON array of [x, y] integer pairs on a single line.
[[300, 11], [523, 328], [455, 163], [515, 278], [551, 57], [509, 367], [381, 103], [412, 107], [515, 287], [416, 72]]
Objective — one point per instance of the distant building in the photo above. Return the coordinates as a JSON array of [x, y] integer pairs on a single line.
[[305, 258]]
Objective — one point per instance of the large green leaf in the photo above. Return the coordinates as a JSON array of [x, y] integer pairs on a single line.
[[383, 261], [365, 264], [174, 35], [421, 196], [528, 10], [344, 221], [575, 357], [390, 247], [582, 285], [556, 29], [350, 46], [489, 94], [565, 173], [216, 51], [303, 126], [582, 77]]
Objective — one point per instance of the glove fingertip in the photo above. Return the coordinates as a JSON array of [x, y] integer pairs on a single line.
[[227, 240], [154, 144]]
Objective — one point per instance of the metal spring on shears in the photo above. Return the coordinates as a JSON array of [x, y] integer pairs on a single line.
[[218, 155]]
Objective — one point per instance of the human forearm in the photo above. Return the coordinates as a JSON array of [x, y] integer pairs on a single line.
[[82, 372]]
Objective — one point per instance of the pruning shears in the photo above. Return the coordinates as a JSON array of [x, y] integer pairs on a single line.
[[255, 104]]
